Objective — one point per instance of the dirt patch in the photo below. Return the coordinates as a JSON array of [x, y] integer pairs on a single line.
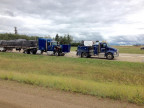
[[16, 95], [8, 105]]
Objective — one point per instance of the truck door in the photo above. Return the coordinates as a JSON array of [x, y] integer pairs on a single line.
[[52, 45], [103, 47], [49, 46], [96, 49]]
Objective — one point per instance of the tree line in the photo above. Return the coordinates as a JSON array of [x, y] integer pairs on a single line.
[[67, 39], [9, 36]]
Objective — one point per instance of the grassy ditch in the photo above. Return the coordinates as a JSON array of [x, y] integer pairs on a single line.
[[102, 78]]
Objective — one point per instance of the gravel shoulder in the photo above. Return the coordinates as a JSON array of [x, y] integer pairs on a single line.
[[16, 95]]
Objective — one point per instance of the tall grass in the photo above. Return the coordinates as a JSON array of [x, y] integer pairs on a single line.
[[102, 78]]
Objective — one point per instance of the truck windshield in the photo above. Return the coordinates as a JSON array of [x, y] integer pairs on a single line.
[[108, 45], [54, 43]]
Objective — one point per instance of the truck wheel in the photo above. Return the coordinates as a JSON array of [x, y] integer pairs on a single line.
[[61, 54], [56, 54], [41, 52], [109, 56], [84, 55], [89, 56]]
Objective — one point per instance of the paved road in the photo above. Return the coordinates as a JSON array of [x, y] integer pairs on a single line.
[[16, 95], [122, 57]]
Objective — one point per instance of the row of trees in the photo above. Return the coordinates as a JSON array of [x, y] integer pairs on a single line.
[[9, 36], [67, 39]]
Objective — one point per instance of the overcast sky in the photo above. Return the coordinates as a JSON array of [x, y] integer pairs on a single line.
[[116, 21]]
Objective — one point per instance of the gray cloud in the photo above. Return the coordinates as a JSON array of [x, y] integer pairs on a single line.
[[128, 40], [89, 36], [83, 19]]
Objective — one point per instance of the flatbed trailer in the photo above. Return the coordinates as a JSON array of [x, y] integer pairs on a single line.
[[19, 44]]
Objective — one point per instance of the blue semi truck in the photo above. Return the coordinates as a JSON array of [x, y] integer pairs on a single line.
[[49, 46], [52, 47], [100, 49]]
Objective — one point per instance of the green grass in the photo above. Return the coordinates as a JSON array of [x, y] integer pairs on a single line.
[[124, 49], [101, 78], [130, 49], [73, 48]]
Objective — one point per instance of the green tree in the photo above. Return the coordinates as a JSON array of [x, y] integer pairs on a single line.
[[69, 39], [57, 38], [66, 39]]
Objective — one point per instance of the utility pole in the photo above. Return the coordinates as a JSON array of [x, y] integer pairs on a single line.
[[15, 29]]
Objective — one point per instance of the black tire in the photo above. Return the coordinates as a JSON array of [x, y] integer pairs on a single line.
[[4, 50], [42, 52], [56, 54], [89, 56], [33, 51], [76, 53], [109, 56], [61, 54], [27, 52], [84, 55]]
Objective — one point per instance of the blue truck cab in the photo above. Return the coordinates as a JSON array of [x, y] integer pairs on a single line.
[[52, 47], [100, 49]]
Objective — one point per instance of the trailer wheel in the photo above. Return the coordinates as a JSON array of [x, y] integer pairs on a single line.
[[84, 55], [27, 52], [32, 51], [109, 56], [4, 50]]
